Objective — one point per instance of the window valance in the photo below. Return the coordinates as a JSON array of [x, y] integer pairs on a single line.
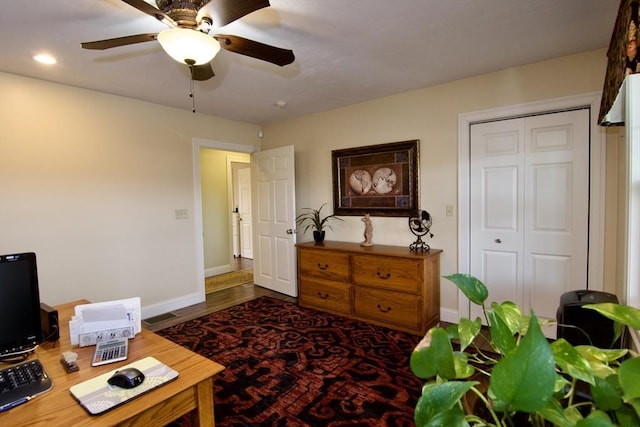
[[623, 58]]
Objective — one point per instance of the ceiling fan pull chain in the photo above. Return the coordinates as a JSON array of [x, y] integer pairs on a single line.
[[192, 96]]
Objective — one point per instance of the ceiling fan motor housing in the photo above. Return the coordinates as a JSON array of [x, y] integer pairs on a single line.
[[183, 12]]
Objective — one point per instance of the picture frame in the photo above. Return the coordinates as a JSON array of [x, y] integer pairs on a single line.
[[380, 180]]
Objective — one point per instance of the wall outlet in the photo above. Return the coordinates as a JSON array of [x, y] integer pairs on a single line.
[[182, 213]]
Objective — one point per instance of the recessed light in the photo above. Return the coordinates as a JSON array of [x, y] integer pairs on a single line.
[[44, 58]]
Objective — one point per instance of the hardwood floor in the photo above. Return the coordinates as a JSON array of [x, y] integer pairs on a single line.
[[243, 263], [215, 301]]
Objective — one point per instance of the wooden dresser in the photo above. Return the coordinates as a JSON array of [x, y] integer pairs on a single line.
[[385, 285]]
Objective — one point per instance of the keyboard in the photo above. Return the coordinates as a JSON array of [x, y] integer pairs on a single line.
[[20, 383]]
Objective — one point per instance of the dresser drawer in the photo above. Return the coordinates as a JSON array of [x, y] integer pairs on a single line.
[[388, 307], [324, 265], [326, 295], [400, 274]]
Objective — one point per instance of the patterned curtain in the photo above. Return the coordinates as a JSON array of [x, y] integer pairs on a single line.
[[623, 58]]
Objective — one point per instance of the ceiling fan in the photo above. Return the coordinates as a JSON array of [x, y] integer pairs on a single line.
[[187, 39]]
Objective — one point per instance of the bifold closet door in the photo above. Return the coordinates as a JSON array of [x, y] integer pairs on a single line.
[[529, 208]]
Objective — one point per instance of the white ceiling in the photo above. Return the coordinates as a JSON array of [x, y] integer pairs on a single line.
[[347, 51]]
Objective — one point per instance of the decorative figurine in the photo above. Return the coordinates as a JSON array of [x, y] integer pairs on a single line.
[[419, 226], [368, 231]]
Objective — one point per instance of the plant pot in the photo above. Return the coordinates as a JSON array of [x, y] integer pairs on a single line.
[[318, 236]]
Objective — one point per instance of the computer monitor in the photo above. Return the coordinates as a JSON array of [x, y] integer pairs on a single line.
[[20, 328]]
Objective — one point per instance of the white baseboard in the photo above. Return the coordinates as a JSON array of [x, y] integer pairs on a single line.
[[214, 271], [174, 304], [449, 315]]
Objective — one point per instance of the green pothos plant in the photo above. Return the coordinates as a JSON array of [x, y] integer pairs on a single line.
[[523, 379]]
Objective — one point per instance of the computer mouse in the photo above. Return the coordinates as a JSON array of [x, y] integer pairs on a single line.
[[126, 378]]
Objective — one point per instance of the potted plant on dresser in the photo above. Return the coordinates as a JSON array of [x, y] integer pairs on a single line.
[[519, 378], [312, 218]]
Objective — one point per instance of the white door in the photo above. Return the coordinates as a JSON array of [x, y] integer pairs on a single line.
[[497, 173], [244, 212], [273, 203], [529, 209]]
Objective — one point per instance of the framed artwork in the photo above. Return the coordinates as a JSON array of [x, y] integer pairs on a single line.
[[381, 180]]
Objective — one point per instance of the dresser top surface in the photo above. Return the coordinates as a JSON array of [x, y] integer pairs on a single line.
[[386, 250]]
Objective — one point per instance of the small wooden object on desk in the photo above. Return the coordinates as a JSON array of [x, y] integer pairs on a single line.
[[190, 393], [387, 285]]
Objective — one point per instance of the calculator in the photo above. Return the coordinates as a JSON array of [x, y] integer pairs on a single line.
[[110, 351]]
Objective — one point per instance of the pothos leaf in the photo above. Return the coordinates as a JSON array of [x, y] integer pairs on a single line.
[[467, 331], [510, 314], [524, 379], [438, 399], [629, 374], [502, 338], [571, 361], [470, 286], [554, 412], [596, 419], [453, 417], [463, 369], [605, 393], [624, 314], [600, 359], [433, 356]]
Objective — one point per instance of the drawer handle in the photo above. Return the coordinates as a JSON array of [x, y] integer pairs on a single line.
[[323, 267], [323, 295], [388, 309], [383, 276]]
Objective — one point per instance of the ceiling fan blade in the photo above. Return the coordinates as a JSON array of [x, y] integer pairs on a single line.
[[145, 7], [201, 72], [223, 12], [119, 41], [254, 49]]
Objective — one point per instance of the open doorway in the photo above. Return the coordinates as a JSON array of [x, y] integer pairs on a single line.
[[273, 197], [217, 213], [238, 192]]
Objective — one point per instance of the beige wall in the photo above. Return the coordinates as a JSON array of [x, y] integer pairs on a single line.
[[430, 115], [91, 182]]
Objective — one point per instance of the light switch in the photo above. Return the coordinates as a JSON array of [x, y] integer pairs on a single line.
[[182, 213], [449, 210]]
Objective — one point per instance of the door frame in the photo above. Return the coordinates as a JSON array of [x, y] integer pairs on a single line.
[[197, 144], [596, 179]]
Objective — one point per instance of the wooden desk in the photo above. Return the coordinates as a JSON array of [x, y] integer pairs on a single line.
[[191, 392]]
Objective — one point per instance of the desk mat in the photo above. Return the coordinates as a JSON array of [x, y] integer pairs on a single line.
[[97, 396]]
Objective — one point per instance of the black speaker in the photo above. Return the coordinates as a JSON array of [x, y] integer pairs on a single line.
[[598, 329], [49, 323]]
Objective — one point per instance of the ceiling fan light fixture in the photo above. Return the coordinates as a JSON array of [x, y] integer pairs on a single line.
[[188, 46]]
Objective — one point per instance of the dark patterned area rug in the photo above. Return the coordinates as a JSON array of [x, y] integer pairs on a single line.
[[292, 366]]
